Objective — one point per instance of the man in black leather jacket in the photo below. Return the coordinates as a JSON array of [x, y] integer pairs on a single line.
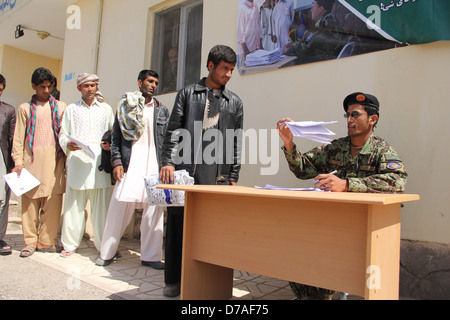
[[206, 116], [7, 126]]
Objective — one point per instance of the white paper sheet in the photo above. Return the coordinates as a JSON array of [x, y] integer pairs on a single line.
[[84, 147], [271, 187], [312, 130], [22, 184]]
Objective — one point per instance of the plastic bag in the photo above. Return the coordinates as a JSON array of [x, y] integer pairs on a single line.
[[163, 197]]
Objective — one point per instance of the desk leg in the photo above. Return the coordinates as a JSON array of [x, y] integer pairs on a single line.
[[383, 252], [204, 281], [200, 280]]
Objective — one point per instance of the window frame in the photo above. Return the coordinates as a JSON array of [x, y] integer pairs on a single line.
[[157, 55]]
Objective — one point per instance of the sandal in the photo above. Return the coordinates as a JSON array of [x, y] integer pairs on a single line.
[[4, 248], [66, 254], [28, 250]]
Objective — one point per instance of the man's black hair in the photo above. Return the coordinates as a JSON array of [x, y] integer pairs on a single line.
[[372, 111], [3, 81], [144, 74], [41, 75], [326, 4], [221, 53]]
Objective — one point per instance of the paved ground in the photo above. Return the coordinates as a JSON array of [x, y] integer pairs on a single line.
[[28, 279], [48, 276]]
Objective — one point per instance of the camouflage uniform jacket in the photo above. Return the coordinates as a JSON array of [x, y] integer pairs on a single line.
[[377, 168], [324, 42]]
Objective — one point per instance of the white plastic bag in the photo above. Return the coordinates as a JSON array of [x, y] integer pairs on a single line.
[[163, 197]]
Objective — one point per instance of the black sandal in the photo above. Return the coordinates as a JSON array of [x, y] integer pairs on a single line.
[[4, 251]]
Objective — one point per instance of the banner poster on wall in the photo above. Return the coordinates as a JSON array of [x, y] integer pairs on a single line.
[[8, 7], [273, 34]]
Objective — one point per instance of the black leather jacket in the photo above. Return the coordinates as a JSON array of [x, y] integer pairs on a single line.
[[121, 148], [7, 125], [188, 113]]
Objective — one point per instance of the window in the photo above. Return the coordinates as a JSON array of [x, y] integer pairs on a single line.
[[177, 45]]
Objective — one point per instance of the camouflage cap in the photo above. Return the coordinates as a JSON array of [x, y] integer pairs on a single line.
[[362, 99]]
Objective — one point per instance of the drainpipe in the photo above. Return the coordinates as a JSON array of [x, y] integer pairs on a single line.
[[99, 31]]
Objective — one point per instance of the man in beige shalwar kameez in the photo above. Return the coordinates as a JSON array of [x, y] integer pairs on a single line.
[[36, 148]]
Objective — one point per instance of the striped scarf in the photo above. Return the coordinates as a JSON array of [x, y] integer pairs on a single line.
[[56, 125]]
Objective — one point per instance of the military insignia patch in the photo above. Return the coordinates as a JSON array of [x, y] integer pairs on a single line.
[[394, 166], [360, 97]]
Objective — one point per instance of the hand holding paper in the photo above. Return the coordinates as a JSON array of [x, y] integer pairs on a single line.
[[22, 184], [82, 146], [311, 130]]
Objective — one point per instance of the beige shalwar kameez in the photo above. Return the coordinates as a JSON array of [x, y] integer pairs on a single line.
[[41, 207]]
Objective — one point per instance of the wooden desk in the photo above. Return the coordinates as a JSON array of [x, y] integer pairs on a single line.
[[348, 242]]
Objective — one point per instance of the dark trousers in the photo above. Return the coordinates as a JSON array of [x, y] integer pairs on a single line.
[[173, 245]]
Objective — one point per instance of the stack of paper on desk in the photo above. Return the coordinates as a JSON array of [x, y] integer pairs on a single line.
[[312, 130], [271, 187], [263, 57]]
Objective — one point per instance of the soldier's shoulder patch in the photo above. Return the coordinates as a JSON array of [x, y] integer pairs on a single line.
[[310, 37], [394, 165]]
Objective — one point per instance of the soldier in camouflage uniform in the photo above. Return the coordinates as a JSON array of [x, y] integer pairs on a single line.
[[377, 167], [363, 161], [323, 42]]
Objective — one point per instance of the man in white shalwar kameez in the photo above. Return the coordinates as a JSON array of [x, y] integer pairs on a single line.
[[283, 16], [137, 138], [249, 31], [267, 25], [86, 121]]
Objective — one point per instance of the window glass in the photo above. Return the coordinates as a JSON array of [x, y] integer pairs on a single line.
[[177, 42]]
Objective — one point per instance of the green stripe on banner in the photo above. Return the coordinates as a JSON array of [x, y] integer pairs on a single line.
[[406, 21]]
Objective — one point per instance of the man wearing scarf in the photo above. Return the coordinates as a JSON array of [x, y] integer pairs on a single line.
[[85, 121], [137, 139], [36, 148]]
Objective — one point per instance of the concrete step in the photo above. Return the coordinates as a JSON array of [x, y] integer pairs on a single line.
[[14, 223]]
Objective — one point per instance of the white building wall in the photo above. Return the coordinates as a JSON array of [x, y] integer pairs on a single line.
[[411, 84], [80, 48]]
